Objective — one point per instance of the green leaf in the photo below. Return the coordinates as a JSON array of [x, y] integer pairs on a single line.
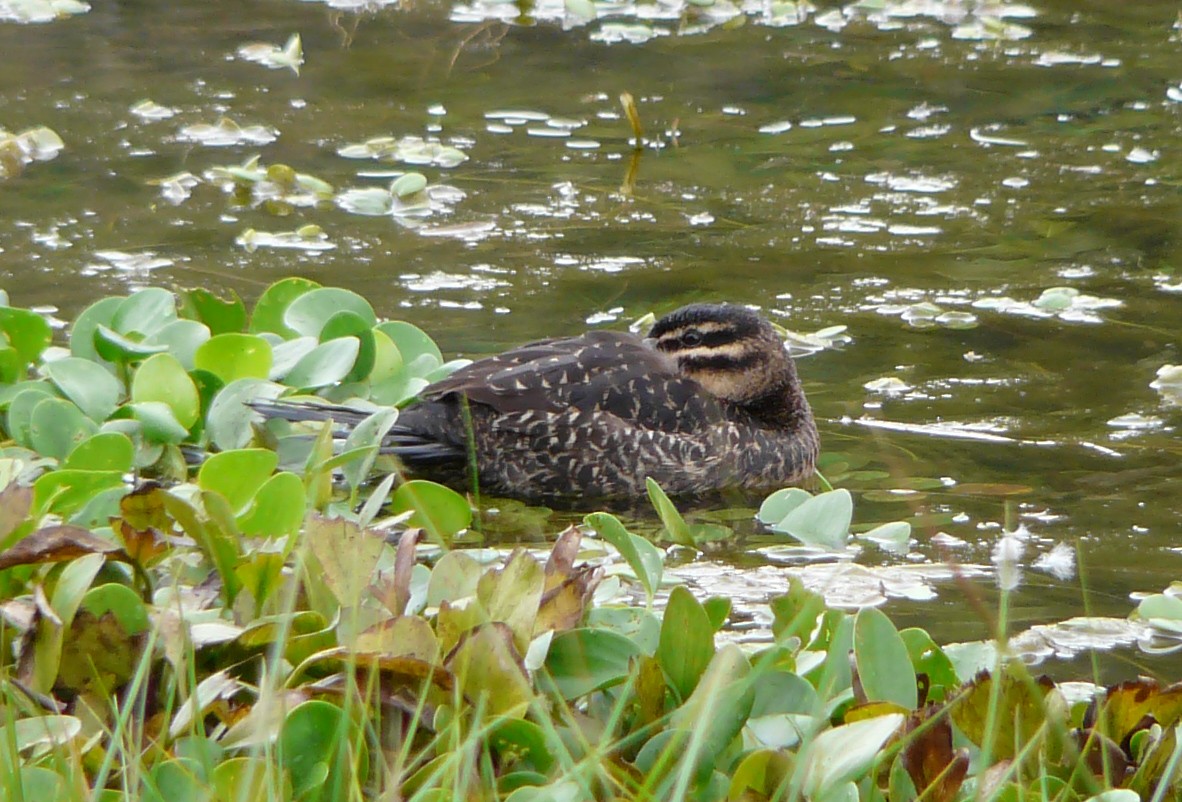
[[237, 475], [675, 526], [687, 641], [350, 324], [27, 332], [162, 378], [442, 512], [272, 305], [105, 451], [220, 315], [182, 338], [235, 356], [367, 433], [822, 521], [642, 557], [845, 753], [884, 667], [121, 602], [412, 342], [317, 741], [277, 509], [776, 507], [309, 313], [584, 660], [115, 347], [229, 422], [12, 367], [20, 410], [83, 331], [158, 424], [90, 386], [57, 427], [145, 311], [325, 364], [64, 492]]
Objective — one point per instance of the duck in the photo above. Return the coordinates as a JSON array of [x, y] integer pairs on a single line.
[[710, 400]]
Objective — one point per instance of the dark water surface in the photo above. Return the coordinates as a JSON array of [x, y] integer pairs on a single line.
[[838, 165]]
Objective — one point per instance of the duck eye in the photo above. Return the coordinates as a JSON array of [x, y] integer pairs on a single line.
[[691, 338]]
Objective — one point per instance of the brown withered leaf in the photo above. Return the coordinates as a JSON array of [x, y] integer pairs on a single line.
[[55, 544], [145, 546], [395, 671], [1023, 701], [143, 508], [563, 606], [1102, 755], [488, 667], [561, 562], [1124, 708], [935, 768], [15, 503], [396, 593]]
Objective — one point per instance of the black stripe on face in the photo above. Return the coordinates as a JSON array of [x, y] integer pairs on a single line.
[[720, 362]]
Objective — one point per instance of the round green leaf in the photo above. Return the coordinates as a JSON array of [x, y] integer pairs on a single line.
[[115, 347], [57, 426], [387, 357], [235, 356], [278, 507], [229, 422], [776, 507], [272, 305], [350, 324], [12, 366], [220, 315], [27, 332], [584, 660], [20, 411], [823, 520], [237, 475], [309, 313], [412, 341], [162, 378], [182, 338], [439, 510], [159, 424], [121, 602], [317, 735], [325, 364], [146, 311], [66, 491], [83, 331], [90, 386], [105, 451]]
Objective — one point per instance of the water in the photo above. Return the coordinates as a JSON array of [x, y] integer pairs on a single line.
[[844, 165]]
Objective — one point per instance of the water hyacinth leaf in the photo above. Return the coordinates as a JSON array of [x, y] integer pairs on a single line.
[[181, 338], [277, 508], [687, 641], [412, 341], [454, 577], [234, 356], [823, 520], [64, 492], [397, 390], [844, 754], [584, 660], [220, 315], [317, 741], [718, 609], [105, 451], [237, 475], [162, 378], [884, 666], [27, 332], [440, 510], [488, 669], [776, 507], [57, 427], [347, 554], [273, 303], [387, 358], [894, 536], [367, 433], [118, 348], [90, 386], [28, 733], [642, 557], [158, 424], [327, 363], [675, 526], [20, 410], [350, 324], [408, 185], [146, 312], [309, 312], [121, 602], [929, 659], [12, 368], [286, 355], [718, 709]]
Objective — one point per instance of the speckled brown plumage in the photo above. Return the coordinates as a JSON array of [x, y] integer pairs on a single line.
[[710, 400]]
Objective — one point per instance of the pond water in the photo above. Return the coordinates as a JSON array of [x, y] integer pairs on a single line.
[[931, 175]]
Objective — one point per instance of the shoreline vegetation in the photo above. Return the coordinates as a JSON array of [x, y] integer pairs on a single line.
[[273, 624]]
